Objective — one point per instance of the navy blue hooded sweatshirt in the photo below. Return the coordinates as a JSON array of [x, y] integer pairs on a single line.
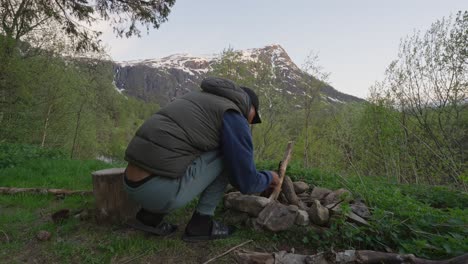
[[237, 148]]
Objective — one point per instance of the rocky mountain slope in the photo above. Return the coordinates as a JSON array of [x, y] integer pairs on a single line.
[[164, 79]]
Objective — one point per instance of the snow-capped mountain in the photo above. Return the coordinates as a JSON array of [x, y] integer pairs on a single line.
[[164, 79]]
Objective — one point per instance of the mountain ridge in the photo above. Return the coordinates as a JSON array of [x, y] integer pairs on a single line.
[[166, 78]]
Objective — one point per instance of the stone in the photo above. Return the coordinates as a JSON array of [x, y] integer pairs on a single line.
[[300, 187], [230, 189], [302, 218], [234, 217], [43, 235], [277, 217], [252, 223], [229, 197], [318, 193], [250, 204], [293, 207], [318, 214], [361, 209], [340, 195]]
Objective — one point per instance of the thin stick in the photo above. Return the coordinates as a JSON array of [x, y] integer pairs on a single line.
[[282, 171], [136, 257], [227, 252], [6, 236], [12, 190]]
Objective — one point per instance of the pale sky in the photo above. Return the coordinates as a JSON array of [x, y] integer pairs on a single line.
[[355, 39]]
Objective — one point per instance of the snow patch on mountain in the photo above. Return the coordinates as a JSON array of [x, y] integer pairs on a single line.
[[174, 75]]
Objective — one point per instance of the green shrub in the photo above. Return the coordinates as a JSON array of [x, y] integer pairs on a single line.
[[14, 154]]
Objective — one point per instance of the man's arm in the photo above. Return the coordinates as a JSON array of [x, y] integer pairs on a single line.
[[237, 148]]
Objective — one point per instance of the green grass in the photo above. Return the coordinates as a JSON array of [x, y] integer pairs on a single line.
[[58, 173], [83, 241], [430, 222]]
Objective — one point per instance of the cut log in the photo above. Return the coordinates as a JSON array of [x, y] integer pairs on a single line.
[[345, 257], [371, 257], [12, 190], [282, 171], [254, 257], [112, 202]]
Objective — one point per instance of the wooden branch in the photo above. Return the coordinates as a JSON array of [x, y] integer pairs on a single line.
[[370, 257], [282, 171], [227, 252], [12, 190], [345, 257]]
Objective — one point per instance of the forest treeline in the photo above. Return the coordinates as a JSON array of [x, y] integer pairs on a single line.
[[70, 104], [51, 93], [412, 129]]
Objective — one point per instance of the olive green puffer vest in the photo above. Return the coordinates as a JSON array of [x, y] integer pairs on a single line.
[[171, 139]]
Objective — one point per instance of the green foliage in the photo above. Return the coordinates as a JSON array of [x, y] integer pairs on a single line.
[[436, 196], [13, 154], [22, 19], [68, 104]]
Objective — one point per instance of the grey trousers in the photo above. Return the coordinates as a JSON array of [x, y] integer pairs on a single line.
[[205, 177]]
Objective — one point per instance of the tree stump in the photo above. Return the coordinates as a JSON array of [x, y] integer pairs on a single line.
[[112, 203]]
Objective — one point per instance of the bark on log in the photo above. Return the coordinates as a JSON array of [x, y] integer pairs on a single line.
[[375, 257], [282, 171], [12, 190], [112, 202], [345, 257], [254, 258]]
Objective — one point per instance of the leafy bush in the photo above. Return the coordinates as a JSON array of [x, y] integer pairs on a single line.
[[437, 196], [14, 154]]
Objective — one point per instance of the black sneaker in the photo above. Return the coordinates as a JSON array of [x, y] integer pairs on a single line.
[[152, 223]]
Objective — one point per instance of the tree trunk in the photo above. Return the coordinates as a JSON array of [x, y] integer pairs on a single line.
[[112, 202], [46, 124], [78, 119]]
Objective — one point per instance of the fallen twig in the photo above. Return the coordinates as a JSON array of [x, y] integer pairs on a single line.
[[6, 236], [13, 190], [227, 252]]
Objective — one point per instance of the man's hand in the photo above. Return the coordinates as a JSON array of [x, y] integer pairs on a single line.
[[275, 180]]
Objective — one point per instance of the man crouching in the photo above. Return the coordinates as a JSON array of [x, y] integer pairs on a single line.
[[192, 147]]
